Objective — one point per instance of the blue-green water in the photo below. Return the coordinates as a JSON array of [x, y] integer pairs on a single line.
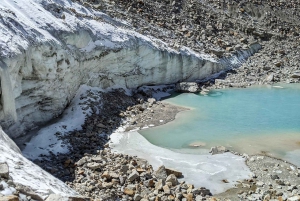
[[248, 120]]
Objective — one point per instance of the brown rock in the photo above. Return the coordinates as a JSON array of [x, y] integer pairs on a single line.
[[173, 171], [166, 189], [9, 198], [105, 175], [128, 191]]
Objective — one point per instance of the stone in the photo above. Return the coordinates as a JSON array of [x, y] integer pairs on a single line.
[[189, 197], [173, 179], [217, 150], [81, 162], [93, 165], [161, 173], [149, 183], [166, 189], [190, 87], [107, 184], [128, 191], [274, 177], [4, 170], [9, 198], [137, 197], [295, 75], [260, 183], [159, 184], [151, 101], [170, 171], [106, 175], [134, 175], [124, 168], [217, 52], [270, 78]]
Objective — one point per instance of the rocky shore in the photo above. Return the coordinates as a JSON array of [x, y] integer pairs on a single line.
[[94, 171]]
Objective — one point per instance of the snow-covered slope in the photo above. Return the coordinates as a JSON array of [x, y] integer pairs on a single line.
[[24, 172], [51, 47]]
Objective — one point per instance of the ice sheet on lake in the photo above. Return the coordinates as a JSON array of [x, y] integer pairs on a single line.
[[202, 170]]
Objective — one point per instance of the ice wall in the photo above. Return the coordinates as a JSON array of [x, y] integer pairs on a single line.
[[7, 95], [53, 47]]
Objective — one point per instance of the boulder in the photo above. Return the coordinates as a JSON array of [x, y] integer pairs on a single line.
[[190, 87], [133, 175], [173, 179], [175, 172], [217, 150], [161, 173], [295, 75], [4, 170]]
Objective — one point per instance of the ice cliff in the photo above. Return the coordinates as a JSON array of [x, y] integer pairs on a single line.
[[51, 47]]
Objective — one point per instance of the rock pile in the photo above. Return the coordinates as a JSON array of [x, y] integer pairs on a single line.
[[110, 176]]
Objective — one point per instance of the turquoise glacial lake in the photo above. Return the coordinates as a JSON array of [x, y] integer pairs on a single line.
[[261, 119]]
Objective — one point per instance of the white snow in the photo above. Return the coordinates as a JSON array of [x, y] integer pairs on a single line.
[[202, 170], [73, 117], [7, 189], [29, 174]]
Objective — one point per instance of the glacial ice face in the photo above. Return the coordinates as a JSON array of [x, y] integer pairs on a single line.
[[7, 97], [50, 56]]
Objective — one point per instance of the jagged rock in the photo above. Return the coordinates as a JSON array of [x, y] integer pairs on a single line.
[[173, 179], [134, 175], [149, 183], [191, 87], [170, 171], [166, 189], [217, 150], [159, 184], [161, 173]]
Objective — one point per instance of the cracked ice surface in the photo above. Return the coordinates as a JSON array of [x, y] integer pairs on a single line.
[[202, 170]]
